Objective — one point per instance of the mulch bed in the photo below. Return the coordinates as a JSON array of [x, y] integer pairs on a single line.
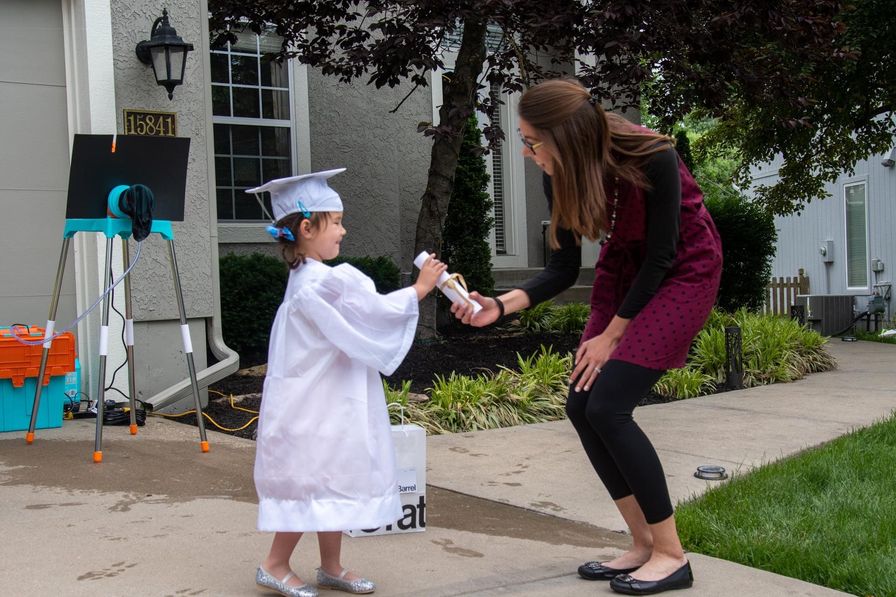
[[466, 352]]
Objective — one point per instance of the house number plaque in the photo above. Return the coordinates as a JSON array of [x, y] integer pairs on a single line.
[[154, 124]]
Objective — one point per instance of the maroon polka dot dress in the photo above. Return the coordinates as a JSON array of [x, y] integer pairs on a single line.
[[660, 335]]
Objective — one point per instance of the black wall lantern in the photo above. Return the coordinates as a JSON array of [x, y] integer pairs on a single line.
[[167, 53]]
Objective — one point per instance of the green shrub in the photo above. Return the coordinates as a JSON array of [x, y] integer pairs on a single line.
[[382, 270], [775, 349], [538, 318], [252, 288], [683, 147], [505, 398], [570, 318], [686, 382], [748, 247], [549, 317], [465, 246], [875, 337], [545, 372]]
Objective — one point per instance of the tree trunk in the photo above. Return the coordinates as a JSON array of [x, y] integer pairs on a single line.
[[459, 94]]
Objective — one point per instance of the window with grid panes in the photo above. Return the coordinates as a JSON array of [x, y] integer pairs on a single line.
[[252, 122]]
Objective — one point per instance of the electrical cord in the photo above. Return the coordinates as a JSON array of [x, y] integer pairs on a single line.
[[114, 413], [78, 319], [852, 323], [111, 385], [211, 420], [120, 414]]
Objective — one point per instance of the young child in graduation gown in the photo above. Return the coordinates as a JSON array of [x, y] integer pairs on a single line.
[[324, 455]]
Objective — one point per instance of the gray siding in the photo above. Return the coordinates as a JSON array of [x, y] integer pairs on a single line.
[[801, 236], [33, 162]]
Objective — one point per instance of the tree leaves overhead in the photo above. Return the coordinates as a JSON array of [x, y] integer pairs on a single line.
[[811, 80], [386, 43]]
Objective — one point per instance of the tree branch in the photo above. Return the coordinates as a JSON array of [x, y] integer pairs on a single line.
[[404, 99]]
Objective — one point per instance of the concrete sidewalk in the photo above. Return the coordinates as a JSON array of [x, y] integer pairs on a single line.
[[509, 512]]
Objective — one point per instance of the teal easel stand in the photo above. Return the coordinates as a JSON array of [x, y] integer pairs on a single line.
[[121, 227], [98, 165], [112, 227]]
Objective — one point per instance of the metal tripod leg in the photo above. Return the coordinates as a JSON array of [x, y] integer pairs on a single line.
[[129, 336], [104, 352], [51, 323], [188, 346]]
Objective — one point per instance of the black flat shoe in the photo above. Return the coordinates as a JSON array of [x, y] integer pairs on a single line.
[[680, 579], [597, 571]]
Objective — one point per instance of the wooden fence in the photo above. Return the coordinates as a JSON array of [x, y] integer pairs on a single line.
[[781, 293]]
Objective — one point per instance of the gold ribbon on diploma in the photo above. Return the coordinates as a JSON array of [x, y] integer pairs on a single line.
[[452, 283]]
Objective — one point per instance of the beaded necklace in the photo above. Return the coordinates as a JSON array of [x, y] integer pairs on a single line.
[[609, 235]]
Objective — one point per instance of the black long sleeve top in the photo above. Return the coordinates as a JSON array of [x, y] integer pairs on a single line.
[[663, 206]]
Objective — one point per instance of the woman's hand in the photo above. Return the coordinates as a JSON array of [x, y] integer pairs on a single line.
[[590, 357], [487, 316], [594, 353]]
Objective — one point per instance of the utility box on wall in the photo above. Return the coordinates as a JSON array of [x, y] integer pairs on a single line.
[[827, 314]]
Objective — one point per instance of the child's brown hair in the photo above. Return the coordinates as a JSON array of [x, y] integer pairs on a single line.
[[289, 249]]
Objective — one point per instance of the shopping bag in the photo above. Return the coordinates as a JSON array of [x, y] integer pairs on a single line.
[[410, 457]]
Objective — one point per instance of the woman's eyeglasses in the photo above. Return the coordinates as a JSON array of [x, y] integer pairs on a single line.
[[528, 144]]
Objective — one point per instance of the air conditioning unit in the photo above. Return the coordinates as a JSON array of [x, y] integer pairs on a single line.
[[827, 314]]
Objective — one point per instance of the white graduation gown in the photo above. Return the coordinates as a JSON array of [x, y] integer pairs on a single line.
[[324, 457]]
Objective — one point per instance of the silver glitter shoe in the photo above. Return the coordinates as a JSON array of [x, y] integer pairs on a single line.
[[263, 578], [358, 586]]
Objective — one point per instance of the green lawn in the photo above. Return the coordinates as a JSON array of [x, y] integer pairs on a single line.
[[826, 516]]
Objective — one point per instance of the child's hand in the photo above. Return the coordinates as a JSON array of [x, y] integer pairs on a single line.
[[429, 275]]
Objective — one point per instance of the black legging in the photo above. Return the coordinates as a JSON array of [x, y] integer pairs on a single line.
[[623, 457]]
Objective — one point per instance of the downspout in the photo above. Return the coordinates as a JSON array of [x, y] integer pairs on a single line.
[[228, 360]]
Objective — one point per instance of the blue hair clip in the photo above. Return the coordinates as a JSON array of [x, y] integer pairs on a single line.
[[301, 207], [278, 233]]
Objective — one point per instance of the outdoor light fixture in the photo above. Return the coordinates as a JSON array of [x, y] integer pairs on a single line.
[[890, 161], [167, 53]]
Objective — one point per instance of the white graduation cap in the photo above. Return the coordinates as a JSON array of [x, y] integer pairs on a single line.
[[305, 193]]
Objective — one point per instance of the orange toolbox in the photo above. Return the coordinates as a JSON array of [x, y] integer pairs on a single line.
[[19, 366]]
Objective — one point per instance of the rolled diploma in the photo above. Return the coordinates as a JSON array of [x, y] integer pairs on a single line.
[[450, 287]]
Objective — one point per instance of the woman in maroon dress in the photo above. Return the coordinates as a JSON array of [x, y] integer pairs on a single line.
[[655, 283]]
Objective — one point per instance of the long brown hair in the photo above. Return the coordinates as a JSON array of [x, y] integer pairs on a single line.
[[593, 148], [289, 249]]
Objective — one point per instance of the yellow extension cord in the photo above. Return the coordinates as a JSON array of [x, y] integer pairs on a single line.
[[213, 422]]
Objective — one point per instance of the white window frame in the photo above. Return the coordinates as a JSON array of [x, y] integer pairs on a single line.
[[590, 249], [253, 231], [516, 248], [846, 269]]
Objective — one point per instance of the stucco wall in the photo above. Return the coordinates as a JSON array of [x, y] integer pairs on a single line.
[[386, 160], [135, 88], [158, 344]]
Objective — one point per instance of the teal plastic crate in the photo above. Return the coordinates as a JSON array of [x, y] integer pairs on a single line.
[[16, 403], [72, 389]]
